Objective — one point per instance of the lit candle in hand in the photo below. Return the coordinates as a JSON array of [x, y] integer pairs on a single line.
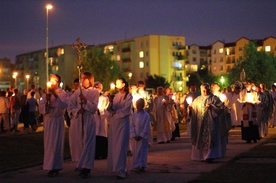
[[49, 84], [189, 100]]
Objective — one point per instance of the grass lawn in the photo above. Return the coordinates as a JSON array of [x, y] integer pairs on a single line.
[[254, 166], [24, 150]]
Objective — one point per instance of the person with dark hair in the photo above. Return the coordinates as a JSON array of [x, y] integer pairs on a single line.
[[32, 111], [118, 141], [15, 110], [52, 106], [205, 126], [83, 106]]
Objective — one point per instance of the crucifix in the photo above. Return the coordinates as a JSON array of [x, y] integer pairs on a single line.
[[79, 46]]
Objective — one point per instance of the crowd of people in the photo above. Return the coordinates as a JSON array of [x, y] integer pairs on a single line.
[[116, 124]]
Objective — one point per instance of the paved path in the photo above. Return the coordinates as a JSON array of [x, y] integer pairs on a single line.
[[166, 163]]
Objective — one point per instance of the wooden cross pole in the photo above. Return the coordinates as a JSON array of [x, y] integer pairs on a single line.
[[79, 46]]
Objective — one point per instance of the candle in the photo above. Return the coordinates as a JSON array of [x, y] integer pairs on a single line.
[[49, 84], [189, 100], [222, 97]]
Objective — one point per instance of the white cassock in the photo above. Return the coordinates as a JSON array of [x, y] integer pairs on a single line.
[[140, 126], [54, 130], [118, 138], [88, 124], [102, 115]]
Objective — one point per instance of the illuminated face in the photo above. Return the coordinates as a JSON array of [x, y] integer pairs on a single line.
[[54, 82], [85, 81], [119, 84], [204, 91], [215, 88]]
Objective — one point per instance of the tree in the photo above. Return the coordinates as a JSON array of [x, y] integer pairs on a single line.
[[104, 69], [156, 81], [259, 66]]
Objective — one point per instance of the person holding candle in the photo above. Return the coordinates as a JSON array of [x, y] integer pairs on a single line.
[[205, 126], [249, 124], [119, 129], [83, 105], [54, 130]]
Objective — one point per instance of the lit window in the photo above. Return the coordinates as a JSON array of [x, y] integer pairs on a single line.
[[221, 50], [227, 51], [267, 48], [141, 54], [141, 64], [215, 68], [118, 58]]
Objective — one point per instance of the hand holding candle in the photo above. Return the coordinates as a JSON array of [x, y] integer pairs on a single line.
[[189, 100]]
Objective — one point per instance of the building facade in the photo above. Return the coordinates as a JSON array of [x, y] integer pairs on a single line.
[[62, 61], [162, 55]]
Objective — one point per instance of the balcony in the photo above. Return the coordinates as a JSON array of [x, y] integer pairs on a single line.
[[126, 49], [126, 60]]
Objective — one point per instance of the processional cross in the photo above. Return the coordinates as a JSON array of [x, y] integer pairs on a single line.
[[79, 46]]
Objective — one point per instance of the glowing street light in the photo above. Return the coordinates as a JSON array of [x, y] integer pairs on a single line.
[[27, 77], [48, 7], [222, 80], [14, 75]]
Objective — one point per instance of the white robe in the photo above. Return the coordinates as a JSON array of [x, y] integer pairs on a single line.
[[88, 124], [118, 139], [54, 130], [140, 126], [101, 116]]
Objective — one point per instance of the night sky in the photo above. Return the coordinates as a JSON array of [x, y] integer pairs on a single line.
[[202, 22]]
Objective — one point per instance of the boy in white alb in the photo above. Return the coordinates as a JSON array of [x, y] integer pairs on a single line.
[[139, 131]]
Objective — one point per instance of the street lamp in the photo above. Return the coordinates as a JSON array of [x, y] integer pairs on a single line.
[[222, 81], [27, 77], [14, 75], [48, 7]]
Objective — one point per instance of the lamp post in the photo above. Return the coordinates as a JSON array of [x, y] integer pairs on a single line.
[[27, 77], [48, 7], [222, 81], [14, 75]]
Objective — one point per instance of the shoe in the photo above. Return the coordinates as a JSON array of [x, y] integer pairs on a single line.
[[53, 173], [141, 169], [161, 142], [210, 160], [122, 174], [84, 173]]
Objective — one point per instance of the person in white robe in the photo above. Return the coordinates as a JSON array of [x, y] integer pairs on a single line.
[[205, 126], [248, 102], [163, 127], [83, 105], [101, 117], [53, 106], [118, 138], [75, 129], [139, 131]]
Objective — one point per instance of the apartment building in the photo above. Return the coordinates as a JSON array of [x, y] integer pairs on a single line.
[[5, 73], [221, 57], [62, 61], [142, 56]]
